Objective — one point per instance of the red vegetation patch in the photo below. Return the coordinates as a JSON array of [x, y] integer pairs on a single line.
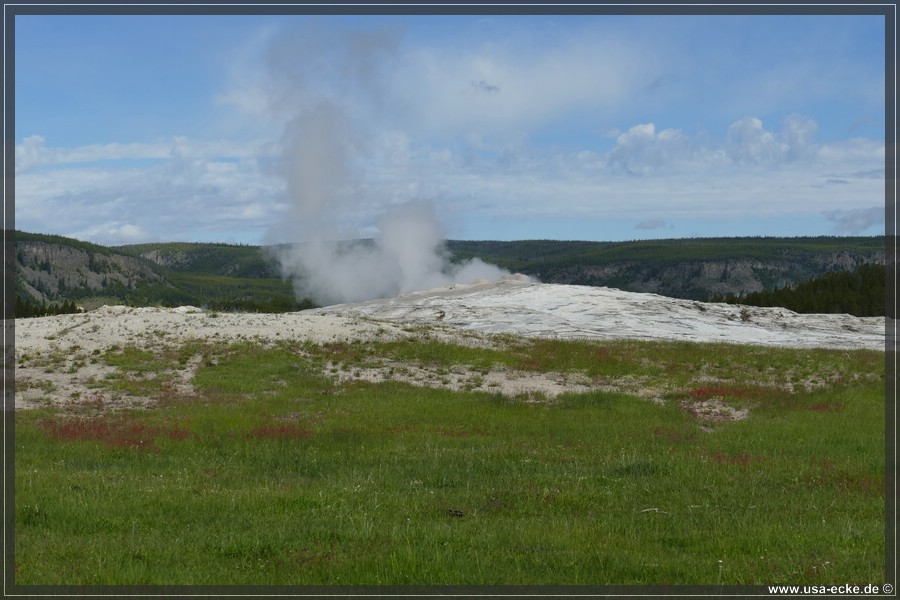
[[115, 432], [458, 432], [304, 557], [742, 458], [761, 395], [280, 431], [401, 429], [721, 391], [824, 407], [673, 434], [827, 474]]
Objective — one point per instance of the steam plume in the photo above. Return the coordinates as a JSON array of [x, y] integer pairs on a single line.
[[325, 146]]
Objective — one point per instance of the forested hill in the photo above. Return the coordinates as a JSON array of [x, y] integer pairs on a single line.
[[52, 270], [697, 268]]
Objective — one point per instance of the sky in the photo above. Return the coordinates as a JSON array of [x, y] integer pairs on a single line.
[[155, 128]]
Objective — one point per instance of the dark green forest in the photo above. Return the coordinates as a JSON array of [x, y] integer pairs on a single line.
[[26, 309], [860, 292]]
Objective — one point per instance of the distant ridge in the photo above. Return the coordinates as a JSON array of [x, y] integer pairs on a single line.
[[694, 268], [53, 269]]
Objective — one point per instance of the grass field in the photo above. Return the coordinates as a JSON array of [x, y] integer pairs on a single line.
[[270, 472]]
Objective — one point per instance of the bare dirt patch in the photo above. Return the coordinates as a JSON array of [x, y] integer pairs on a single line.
[[507, 382], [65, 378], [715, 410], [59, 359]]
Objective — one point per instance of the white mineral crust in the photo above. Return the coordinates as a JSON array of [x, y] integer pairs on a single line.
[[573, 311]]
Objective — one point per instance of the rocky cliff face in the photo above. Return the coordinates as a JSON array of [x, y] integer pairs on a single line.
[[169, 260], [701, 279], [48, 272]]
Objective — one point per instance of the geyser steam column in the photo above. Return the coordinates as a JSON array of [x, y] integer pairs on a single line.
[[325, 148], [328, 264]]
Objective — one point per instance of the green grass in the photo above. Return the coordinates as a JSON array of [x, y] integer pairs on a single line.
[[273, 474]]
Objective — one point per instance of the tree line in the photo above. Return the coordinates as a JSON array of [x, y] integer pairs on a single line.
[[860, 292], [25, 309]]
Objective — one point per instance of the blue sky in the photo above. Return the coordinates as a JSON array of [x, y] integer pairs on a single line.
[[183, 128]]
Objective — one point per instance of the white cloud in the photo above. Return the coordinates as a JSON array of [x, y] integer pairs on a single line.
[[856, 221], [642, 149], [503, 88], [797, 134], [749, 143], [857, 157], [486, 86], [33, 151], [114, 233], [461, 126], [749, 171], [188, 190], [193, 193], [455, 124]]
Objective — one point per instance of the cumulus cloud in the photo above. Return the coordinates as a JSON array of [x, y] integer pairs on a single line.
[[183, 196], [797, 133], [342, 127], [114, 233], [642, 149], [335, 160], [748, 142]]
